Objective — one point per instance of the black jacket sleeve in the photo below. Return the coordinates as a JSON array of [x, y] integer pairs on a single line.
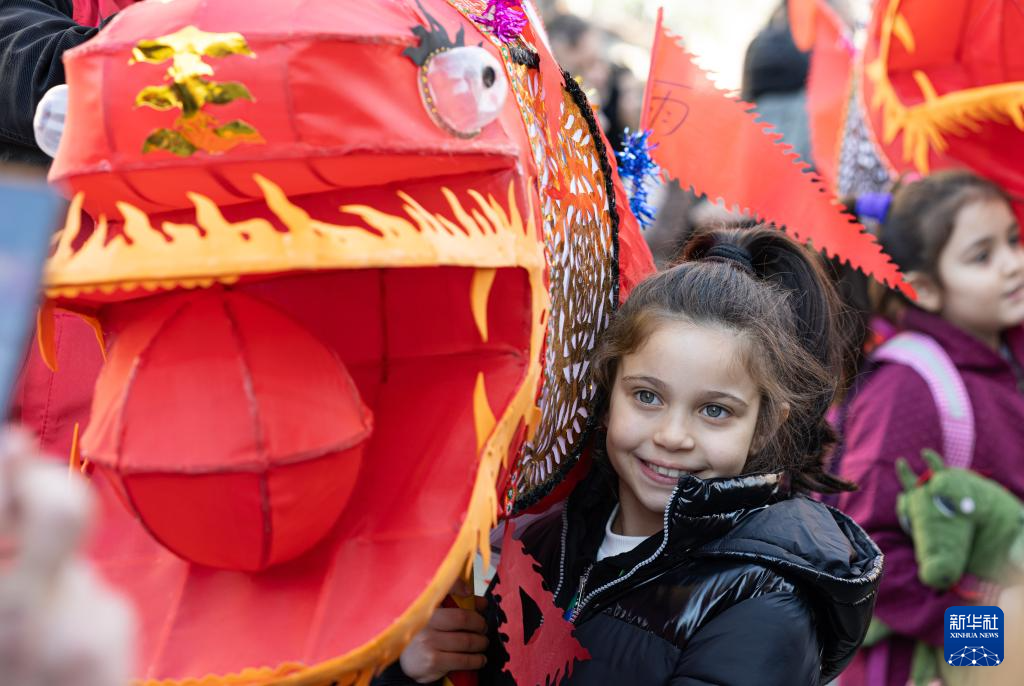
[[33, 36], [769, 640], [394, 676]]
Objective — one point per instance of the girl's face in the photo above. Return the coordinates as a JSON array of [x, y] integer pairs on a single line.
[[982, 271], [683, 403]]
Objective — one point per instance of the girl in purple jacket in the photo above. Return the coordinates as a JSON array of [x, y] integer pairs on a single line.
[[957, 240]]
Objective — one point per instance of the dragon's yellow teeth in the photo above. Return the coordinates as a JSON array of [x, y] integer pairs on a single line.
[[483, 415], [480, 290]]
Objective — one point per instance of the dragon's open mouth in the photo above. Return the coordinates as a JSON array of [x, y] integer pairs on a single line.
[[445, 352]]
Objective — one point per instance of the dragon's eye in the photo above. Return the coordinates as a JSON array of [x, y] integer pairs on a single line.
[[944, 505], [905, 523], [463, 89]]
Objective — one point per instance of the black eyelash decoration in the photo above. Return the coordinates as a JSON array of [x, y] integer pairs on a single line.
[[525, 57], [432, 39]]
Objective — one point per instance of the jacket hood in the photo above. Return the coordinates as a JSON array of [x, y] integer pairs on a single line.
[[825, 553]]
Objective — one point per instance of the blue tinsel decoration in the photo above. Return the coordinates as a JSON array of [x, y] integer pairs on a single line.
[[635, 168]]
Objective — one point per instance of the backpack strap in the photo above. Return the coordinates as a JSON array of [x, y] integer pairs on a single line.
[[925, 356]]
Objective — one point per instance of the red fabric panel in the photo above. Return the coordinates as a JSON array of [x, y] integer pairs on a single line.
[[415, 326], [316, 135], [178, 511], [423, 446], [261, 519], [959, 45], [306, 499], [301, 296], [828, 90], [102, 439], [937, 29], [260, 391], [51, 403], [416, 481], [246, 367], [224, 620], [304, 399], [199, 421], [509, 311]]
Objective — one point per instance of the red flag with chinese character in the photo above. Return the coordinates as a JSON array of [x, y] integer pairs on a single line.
[[713, 143]]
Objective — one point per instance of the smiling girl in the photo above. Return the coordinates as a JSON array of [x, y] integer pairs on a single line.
[[689, 554]]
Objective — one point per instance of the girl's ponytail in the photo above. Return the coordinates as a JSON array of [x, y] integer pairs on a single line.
[[817, 321], [777, 259]]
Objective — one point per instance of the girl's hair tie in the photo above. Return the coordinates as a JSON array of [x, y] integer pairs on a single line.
[[732, 253], [873, 206]]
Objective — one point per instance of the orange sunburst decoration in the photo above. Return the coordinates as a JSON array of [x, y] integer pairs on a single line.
[[943, 86]]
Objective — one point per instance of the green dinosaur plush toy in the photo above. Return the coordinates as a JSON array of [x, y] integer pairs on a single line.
[[961, 523]]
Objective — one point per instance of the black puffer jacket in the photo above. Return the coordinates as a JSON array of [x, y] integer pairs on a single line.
[[743, 586]]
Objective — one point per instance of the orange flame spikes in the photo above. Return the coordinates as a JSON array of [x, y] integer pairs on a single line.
[[482, 233], [471, 225], [491, 209], [427, 219]]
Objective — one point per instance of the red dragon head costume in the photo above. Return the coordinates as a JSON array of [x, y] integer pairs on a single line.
[[347, 259], [936, 85]]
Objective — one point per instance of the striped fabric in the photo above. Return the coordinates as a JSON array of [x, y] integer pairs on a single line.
[[926, 357]]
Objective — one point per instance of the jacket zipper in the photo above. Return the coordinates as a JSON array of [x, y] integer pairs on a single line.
[[561, 559], [579, 593], [583, 600]]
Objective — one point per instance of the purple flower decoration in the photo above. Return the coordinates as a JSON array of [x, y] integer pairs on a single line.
[[873, 206], [505, 19]]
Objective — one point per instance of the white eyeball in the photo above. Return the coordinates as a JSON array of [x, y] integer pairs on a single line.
[[48, 123], [967, 505], [463, 89]]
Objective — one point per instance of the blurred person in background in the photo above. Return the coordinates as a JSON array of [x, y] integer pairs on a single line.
[[623, 104], [34, 34], [60, 624], [580, 50], [954, 236], [774, 79]]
